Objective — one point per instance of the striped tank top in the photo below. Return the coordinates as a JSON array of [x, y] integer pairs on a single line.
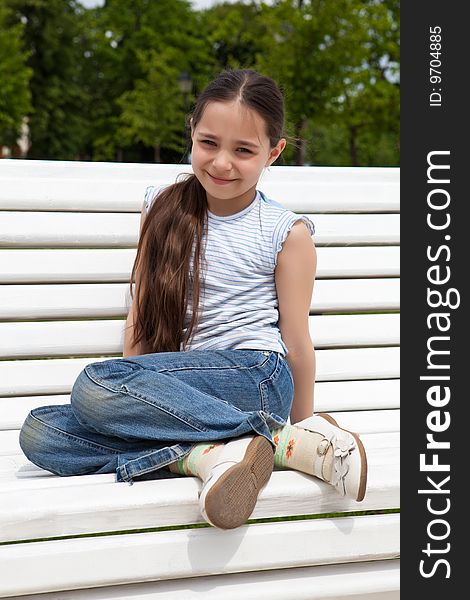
[[238, 301]]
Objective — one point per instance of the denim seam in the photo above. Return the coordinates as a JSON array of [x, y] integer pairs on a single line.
[[263, 385], [80, 440], [260, 419], [152, 468], [208, 368], [38, 463], [125, 390], [287, 367]]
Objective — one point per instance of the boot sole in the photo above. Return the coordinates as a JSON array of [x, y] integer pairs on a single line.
[[362, 453], [231, 500]]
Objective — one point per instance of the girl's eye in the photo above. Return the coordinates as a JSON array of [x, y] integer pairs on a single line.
[[210, 142]]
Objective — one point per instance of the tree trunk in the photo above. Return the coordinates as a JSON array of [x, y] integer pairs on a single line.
[[353, 146], [156, 153], [300, 151]]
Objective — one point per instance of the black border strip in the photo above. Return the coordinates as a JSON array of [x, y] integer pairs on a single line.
[[434, 289]]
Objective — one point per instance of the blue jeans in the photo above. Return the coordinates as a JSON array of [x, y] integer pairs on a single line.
[[136, 415]]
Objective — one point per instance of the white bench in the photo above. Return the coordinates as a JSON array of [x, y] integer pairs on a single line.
[[68, 235]]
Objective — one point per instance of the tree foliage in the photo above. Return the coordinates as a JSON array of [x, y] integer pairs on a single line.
[[234, 34], [104, 82], [52, 37], [137, 52], [152, 111], [15, 95], [326, 55], [367, 103]]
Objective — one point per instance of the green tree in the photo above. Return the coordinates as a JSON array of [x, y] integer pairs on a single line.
[[15, 97], [234, 34], [136, 49], [367, 101], [304, 49], [53, 38], [152, 111]]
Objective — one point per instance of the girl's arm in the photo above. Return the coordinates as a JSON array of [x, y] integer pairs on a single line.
[[295, 276], [129, 348]]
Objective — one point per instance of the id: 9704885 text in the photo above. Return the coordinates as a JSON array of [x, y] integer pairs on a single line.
[[435, 74]]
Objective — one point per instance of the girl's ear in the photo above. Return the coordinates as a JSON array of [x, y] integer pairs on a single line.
[[276, 152]]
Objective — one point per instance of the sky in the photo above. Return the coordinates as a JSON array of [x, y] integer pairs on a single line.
[[197, 4]]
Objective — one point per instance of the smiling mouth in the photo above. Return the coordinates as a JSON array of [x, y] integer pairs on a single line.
[[220, 178]]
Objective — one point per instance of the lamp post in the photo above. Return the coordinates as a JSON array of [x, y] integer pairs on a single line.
[[185, 85]]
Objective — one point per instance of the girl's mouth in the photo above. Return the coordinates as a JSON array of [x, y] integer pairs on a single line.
[[220, 181]]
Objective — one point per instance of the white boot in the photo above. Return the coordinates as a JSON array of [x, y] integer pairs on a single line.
[[340, 458], [242, 469]]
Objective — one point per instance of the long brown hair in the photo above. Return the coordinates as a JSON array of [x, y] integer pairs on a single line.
[[176, 225]]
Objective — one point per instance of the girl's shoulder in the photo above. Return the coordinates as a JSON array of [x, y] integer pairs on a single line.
[[280, 220], [151, 192], [274, 205], [281, 217]]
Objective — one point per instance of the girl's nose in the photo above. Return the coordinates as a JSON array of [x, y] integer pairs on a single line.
[[222, 161]]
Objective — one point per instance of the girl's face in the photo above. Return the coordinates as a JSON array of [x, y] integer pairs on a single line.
[[230, 150]]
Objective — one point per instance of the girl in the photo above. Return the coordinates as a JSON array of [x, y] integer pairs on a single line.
[[217, 351]]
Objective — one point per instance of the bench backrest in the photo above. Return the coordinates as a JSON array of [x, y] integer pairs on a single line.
[[68, 238]]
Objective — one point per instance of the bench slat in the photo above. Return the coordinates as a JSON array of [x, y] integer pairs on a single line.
[[64, 185], [374, 580], [81, 300], [17, 471], [62, 338], [358, 363], [120, 230], [56, 376], [329, 396], [375, 394], [115, 265], [56, 301], [355, 295], [358, 262], [111, 560], [66, 510], [361, 421]]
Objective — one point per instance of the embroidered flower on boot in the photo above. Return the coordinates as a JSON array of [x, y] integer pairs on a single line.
[[290, 448], [211, 447]]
